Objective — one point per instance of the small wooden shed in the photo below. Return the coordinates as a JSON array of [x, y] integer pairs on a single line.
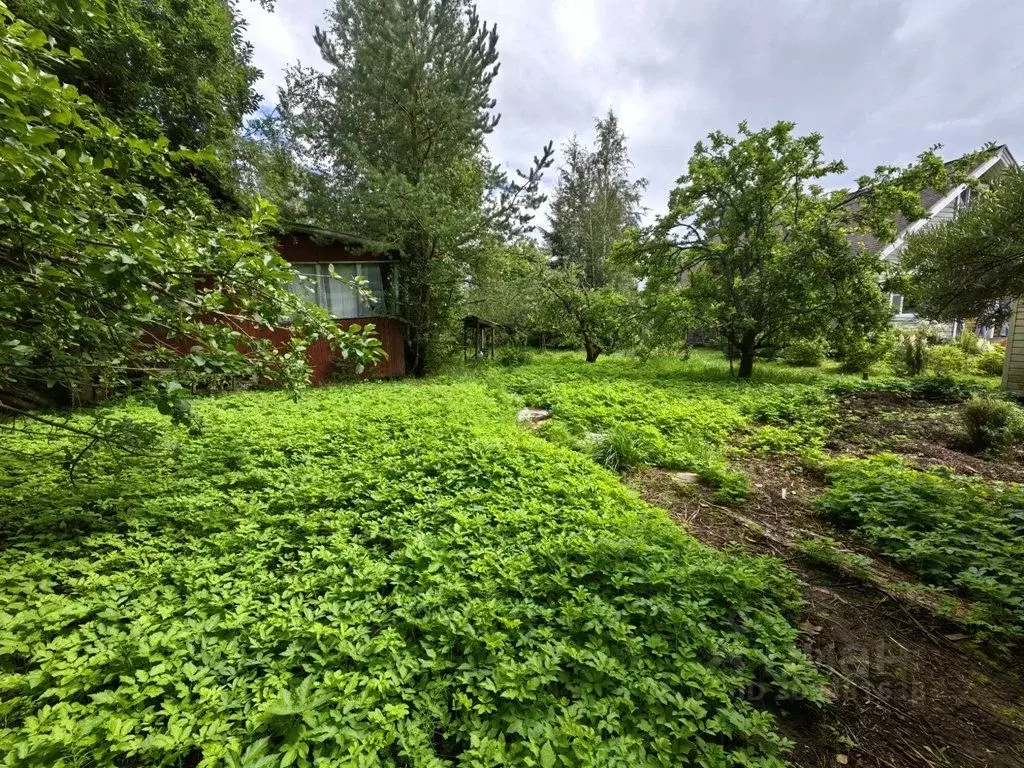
[[312, 251], [479, 334]]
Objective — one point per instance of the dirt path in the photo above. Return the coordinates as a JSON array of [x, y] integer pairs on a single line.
[[910, 690]]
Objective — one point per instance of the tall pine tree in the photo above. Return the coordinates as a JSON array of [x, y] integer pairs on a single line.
[[595, 201], [395, 129]]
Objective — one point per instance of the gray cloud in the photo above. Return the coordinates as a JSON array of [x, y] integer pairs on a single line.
[[881, 80]]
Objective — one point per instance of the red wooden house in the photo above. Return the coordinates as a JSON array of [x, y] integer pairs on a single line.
[[312, 251]]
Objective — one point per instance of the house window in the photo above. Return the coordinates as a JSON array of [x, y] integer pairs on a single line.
[[338, 297], [896, 303]]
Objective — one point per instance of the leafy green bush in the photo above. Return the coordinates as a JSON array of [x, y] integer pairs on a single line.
[[806, 353], [971, 344], [950, 531], [381, 574], [991, 422], [859, 353], [513, 355], [942, 388], [948, 360], [990, 363], [933, 333], [945, 388]]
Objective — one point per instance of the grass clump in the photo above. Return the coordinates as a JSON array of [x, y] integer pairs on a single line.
[[992, 423], [390, 574], [950, 531], [627, 446]]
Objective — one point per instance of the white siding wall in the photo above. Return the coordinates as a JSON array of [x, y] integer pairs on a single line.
[[1013, 368]]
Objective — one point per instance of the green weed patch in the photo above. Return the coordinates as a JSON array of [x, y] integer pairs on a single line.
[[383, 575], [674, 414], [950, 531]]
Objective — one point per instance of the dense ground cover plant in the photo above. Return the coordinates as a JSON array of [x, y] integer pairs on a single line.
[[950, 531], [674, 413], [378, 575], [928, 387]]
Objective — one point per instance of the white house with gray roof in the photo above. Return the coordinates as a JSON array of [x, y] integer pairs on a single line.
[[941, 206]]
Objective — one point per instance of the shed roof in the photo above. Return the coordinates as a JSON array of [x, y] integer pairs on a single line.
[[323, 234], [472, 321]]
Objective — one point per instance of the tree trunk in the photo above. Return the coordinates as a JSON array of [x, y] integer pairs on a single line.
[[593, 351], [415, 352], [415, 303], [747, 350], [417, 340]]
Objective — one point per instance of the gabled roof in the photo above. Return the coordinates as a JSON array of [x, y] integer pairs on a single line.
[[932, 200]]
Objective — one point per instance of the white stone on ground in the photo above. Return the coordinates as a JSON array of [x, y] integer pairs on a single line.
[[533, 415]]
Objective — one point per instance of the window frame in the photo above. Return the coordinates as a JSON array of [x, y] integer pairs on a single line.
[[323, 273]]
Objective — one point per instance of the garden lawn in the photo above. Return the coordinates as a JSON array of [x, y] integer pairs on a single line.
[[390, 575]]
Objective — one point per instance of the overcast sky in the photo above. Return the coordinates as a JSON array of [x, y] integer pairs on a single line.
[[881, 80]]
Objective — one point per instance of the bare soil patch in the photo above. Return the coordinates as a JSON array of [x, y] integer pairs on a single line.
[[926, 433]]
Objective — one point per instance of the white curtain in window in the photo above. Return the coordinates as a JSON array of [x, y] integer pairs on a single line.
[[375, 282], [337, 294], [305, 288], [342, 299]]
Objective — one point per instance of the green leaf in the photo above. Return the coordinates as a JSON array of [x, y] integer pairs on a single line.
[[547, 756]]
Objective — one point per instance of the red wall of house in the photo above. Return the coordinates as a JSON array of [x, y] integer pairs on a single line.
[[323, 360]]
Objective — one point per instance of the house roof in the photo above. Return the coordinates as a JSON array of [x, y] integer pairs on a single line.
[[323, 234], [932, 200]]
